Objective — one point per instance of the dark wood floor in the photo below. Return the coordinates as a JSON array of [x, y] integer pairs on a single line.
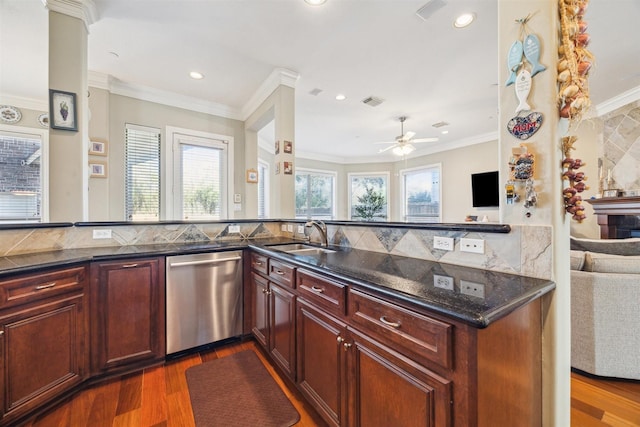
[[159, 397]]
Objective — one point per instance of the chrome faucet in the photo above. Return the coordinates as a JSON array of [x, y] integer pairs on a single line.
[[322, 228]]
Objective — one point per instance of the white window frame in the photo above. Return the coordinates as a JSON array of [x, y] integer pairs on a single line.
[[173, 210], [161, 196], [333, 174], [402, 194], [43, 134], [264, 180], [387, 177]]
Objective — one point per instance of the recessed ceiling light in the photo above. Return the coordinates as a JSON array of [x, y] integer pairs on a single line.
[[196, 75], [340, 97], [315, 2], [464, 20], [444, 132]]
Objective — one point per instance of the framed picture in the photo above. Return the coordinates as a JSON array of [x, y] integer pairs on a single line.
[[98, 169], [288, 147], [288, 168], [62, 110], [277, 147], [97, 148], [252, 175]]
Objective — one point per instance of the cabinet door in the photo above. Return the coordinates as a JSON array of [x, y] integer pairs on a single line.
[[42, 353], [388, 389], [282, 328], [128, 305], [321, 362], [259, 303]]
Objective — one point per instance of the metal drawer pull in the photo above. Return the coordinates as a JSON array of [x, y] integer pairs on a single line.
[[201, 262], [41, 287], [129, 265], [280, 272], [340, 339], [257, 263], [346, 346], [317, 289], [384, 320], [1, 333]]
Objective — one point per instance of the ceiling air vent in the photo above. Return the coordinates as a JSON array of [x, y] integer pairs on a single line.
[[430, 8], [440, 124], [373, 101], [315, 92]]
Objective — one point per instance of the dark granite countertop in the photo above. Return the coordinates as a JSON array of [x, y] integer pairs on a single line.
[[407, 279], [412, 280]]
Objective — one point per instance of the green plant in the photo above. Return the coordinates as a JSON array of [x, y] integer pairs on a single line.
[[370, 204]]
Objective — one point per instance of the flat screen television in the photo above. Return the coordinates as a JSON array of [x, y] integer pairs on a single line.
[[484, 189]]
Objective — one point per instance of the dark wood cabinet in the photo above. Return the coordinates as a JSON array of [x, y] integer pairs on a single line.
[[128, 314], [43, 338], [273, 314]]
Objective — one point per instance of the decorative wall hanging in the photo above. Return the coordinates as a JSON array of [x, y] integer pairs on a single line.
[[571, 193], [288, 147], [97, 148], [574, 61], [97, 169], [277, 147], [43, 119], [10, 114], [523, 62], [288, 168], [252, 175], [521, 170], [62, 110]]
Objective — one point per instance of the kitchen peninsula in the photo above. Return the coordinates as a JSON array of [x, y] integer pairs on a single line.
[[455, 356]]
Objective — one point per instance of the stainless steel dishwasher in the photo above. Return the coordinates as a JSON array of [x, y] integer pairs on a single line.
[[204, 299]]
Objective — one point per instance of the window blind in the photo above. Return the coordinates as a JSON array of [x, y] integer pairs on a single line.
[[142, 173], [201, 182], [263, 185], [20, 178]]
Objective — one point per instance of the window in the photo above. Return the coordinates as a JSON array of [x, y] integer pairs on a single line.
[[200, 175], [21, 176], [315, 194], [368, 197], [263, 189], [142, 173], [421, 194]]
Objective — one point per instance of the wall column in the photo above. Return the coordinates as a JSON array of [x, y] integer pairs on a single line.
[[545, 144], [68, 171]]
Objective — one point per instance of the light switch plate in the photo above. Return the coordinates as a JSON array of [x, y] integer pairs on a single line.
[[102, 234], [234, 229], [301, 229]]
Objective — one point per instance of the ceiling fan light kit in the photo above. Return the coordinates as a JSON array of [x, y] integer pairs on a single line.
[[402, 146], [403, 150]]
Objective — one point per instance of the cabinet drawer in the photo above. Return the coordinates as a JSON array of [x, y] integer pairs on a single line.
[[35, 287], [282, 273], [259, 263], [325, 293], [416, 335]]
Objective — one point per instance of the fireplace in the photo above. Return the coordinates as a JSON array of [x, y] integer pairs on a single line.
[[618, 217]]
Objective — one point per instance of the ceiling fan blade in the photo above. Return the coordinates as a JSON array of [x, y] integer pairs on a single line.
[[424, 140], [407, 136], [386, 142], [382, 150]]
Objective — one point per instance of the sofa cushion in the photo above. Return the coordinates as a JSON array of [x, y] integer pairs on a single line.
[[606, 263], [577, 259], [629, 246]]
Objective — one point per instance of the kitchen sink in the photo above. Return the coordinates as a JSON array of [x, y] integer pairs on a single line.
[[302, 249]]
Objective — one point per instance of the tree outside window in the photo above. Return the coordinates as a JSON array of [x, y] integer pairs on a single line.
[[368, 198], [314, 192]]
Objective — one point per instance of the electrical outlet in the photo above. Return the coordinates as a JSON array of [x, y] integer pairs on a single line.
[[444, 243], [443, 282], [234, 229], [283, 227], [290, 228], [472, 245], [301, 229], [472, 289], [102, 234]]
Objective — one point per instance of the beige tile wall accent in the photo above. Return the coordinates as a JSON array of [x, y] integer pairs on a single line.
[[526, 250]]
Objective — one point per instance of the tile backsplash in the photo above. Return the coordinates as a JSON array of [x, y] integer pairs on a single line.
[[526, 250]]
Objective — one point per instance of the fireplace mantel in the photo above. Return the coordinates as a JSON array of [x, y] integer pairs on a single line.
[[611, 213]]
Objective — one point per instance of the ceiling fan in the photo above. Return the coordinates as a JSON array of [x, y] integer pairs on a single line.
[[403, 143]]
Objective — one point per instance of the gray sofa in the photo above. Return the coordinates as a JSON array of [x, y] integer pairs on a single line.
[[605, 307]]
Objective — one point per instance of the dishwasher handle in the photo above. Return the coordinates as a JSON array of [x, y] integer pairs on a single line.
[[204, 261]]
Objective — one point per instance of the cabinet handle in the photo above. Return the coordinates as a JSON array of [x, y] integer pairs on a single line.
[[346, 345], [41, 287], [317, 289], [384, 320], [1, 333], [129, 265], [340, 339], [264, 291], [280, 272], [257, 263]]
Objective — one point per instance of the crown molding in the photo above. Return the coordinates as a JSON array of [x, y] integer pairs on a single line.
[[81, 9], [26, 103], [278, 77], [619, 101]]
